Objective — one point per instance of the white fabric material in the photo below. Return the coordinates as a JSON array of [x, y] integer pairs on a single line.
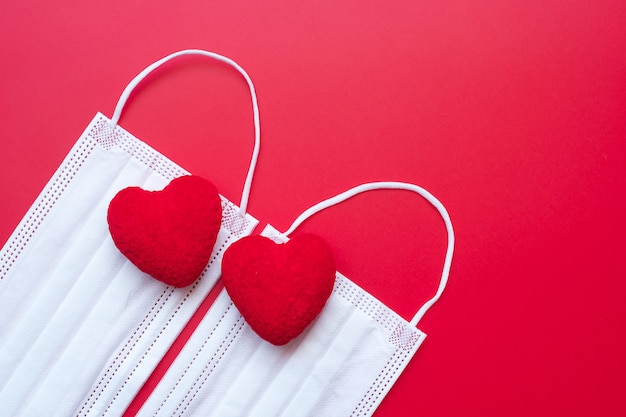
[[342, 365], [81, 327]]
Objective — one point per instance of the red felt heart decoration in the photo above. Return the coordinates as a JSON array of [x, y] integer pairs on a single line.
[[279, 288], [168, 234]]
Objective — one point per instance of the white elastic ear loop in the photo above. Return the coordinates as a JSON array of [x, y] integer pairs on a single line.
[[255, 108], [393, 186]]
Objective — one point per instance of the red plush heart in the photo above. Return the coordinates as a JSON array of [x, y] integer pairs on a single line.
[[279, 288], [168, 234]]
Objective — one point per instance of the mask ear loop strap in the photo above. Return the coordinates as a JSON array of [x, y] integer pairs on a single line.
[[255, 108], [394, 186]]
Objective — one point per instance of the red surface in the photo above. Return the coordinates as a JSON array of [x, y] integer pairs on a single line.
[[511, 112]]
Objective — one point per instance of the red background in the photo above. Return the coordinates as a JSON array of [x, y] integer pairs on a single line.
[[511, 112]]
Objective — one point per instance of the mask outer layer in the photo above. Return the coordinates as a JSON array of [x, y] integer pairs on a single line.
[[82, 328]]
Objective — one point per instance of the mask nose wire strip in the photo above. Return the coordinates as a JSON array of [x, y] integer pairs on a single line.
[[393, 186], [255, 108]]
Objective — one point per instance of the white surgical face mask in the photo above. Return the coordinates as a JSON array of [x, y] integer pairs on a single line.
[[82, 328], [342, 365]]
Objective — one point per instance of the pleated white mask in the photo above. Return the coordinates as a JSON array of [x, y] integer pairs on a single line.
[[342, 365], [82, 328]]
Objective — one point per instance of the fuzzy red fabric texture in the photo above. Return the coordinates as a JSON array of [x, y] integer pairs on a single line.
[[168, 234], [279, 289]]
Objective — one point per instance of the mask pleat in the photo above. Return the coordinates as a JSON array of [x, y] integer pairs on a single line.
[[301, 360], [358, 335], [65, 220], [135, 316], [254, 371], [345, 346], [59, 276], [68, 295], [101, 333], [345, 353], [30, 370], [114, 390], [259, 364], [196, 361], [405, 340], [215, 387], [202, 385]]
